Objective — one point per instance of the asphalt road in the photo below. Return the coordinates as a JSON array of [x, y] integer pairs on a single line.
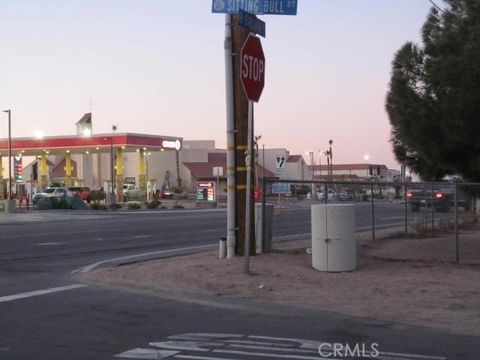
[[46, 314]]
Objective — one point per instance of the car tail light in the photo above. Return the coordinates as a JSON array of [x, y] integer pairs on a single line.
[[438, 195], [409, 194]]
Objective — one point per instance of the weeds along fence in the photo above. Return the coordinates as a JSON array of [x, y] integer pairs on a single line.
[[405, 220]]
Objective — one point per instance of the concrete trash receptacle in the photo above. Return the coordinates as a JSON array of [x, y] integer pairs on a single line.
[[333, 237]]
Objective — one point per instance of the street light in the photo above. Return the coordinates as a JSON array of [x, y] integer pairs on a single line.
[[366, 157], [9, 112], [112, 192], [330, 142]]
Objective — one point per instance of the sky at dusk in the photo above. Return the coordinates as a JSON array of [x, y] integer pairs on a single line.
[[157, 67]]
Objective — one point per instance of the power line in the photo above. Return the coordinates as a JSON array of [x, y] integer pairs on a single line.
[[436, 6]]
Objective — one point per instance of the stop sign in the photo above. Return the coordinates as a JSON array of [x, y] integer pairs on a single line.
[[252, 68]]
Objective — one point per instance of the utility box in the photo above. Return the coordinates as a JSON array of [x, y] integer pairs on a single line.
[[333, 237], [263, 245]]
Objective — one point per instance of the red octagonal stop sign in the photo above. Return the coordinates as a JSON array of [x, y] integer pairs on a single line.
[[252, 68]]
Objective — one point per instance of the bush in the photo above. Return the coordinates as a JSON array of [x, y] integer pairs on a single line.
[[153, 204], [98, 206], [96, 196], [134, 205], [115, 206]]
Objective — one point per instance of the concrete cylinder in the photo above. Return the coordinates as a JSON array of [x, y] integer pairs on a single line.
[[333, 237], [10, 206], [222, 248]]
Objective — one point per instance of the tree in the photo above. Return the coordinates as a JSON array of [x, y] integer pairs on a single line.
[[433, 101]]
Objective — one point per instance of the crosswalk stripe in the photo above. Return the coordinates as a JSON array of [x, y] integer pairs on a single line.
[[39, 292]]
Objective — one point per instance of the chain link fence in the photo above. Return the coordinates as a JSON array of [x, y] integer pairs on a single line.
[[431, 222]]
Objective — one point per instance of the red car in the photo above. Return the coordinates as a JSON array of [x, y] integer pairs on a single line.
[[81, 191]]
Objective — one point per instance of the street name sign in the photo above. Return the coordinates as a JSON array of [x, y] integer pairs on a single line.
[[252, 69], [280, 7], [251, 22], [257, 7], [234, 6]]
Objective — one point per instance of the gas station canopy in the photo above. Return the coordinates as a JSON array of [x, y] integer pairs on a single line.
[[75, 144]]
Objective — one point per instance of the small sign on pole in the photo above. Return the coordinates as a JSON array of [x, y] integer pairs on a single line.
[[205, 191], [280, 165], [251, 23]]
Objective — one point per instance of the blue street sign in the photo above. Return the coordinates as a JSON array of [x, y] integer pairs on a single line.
[[251, 22], [234, 6], [280, 7], [280, 188], [257, 7]]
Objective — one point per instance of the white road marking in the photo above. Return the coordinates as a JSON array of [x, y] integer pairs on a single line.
[[193, 357], [184, 345], [268, 355], [39, 292], [274, 347], [88, 268], [51, 243], [153, 354], [390, 218], [194, 346], [413, 356]]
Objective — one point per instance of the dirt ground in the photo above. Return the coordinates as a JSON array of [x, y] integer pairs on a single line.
[[387, 287]]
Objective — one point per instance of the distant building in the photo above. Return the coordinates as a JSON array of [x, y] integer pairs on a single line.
[[358, 172]]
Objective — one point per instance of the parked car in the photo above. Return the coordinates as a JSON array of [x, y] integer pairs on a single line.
[[344, 195], [49, 192], [166, 193], [300, 189], [442, 198], [81, 191], [321, 194], [130, 193]]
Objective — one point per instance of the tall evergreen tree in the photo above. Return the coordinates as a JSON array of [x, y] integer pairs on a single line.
[[434, 98]]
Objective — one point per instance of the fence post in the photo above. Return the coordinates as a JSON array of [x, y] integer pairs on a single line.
[[325, 193], [432, 210], [457, 244], [264, 205], [405, 207], [373, 212]]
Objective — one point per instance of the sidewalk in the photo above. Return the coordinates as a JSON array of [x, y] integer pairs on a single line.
[[441, 296]]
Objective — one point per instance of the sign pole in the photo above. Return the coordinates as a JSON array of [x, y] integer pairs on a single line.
[[248, 163], [231, 176], [216, 189]]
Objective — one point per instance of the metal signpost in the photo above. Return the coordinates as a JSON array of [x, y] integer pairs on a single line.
[[252, 76]]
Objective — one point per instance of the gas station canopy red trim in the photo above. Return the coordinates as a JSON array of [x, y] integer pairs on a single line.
[[95, 143]]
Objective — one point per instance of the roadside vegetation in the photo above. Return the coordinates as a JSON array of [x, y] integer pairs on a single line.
[[434, 97]]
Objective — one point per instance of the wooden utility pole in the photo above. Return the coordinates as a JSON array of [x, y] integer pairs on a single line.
[[239, 37]]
